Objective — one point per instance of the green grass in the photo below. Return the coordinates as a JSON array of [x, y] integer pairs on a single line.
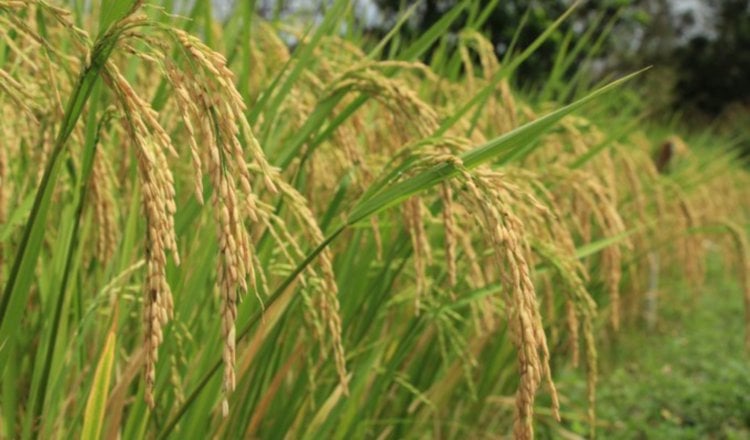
[[687, 378]]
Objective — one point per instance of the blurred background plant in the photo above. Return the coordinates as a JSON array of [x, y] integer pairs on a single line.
[[698, 48]]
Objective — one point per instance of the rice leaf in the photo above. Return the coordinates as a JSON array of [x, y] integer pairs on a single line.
[[94, 415]]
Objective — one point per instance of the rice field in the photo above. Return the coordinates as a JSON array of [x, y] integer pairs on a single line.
[[207, 231]]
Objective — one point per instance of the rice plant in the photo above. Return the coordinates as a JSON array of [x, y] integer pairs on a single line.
[[205, 234]]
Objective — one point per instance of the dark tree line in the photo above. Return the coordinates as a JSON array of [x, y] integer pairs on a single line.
[[704, 64], [715, 72]]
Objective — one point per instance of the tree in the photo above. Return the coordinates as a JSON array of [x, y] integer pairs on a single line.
[[704, 74], [714, 68], [506, 18]]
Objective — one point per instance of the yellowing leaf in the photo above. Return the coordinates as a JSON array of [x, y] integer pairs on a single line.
[[93, 417]]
